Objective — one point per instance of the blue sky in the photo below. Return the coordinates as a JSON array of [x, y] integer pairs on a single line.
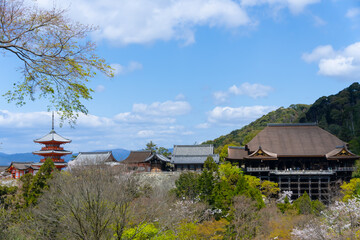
[[191, 70]]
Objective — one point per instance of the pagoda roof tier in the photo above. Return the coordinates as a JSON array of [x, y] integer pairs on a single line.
[[57, 164], [52, 136], [52, 152]]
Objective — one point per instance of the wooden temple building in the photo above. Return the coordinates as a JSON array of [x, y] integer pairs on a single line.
[[18, 169], [299, 157], [192, 157], [146, 161]]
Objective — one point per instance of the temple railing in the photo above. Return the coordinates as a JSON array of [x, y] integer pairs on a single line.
[[302, 172], [344, 169], [258, 169], [320, 171]]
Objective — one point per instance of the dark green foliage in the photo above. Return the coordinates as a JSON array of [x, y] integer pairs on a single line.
[[244, 188], [339, 114], [7, 195], [39, 182], [207, 180], [317, 207], [187, 186], [283, 207], [304, 205], [356, 173]]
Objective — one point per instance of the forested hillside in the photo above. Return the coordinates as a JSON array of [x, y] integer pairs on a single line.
[[338, 114]]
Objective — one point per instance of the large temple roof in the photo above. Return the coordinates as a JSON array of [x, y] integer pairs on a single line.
[[193, 154], [137, 157], [52, 136], [204, 149], [92, 158], [295, 140]]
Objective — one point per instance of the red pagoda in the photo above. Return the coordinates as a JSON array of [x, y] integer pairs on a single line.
[[52, 148]]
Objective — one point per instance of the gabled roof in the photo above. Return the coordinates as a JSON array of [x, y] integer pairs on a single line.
[[92, 158], [21, 165], [340, 153], [137, 157], [295, 140], [52, 136], [262, 154], [200, 150], [158, 157]]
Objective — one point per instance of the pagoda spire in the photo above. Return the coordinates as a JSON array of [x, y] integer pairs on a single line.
[[52, 126]]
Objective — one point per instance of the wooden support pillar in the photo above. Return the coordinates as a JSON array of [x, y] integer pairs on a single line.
[[309, 187], [289, 182], [299, 192], [319, 188]]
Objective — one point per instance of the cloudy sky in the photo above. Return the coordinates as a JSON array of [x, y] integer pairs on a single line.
[[192, 70]]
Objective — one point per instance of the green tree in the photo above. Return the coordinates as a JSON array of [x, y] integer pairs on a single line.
[[187, 185], [151, 146], [57, 62], [40, 181], [163, 151], [207, 180], [303, 204], [356, 172]]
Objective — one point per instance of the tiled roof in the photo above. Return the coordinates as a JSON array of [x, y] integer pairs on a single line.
[[21, 165], [157, 156], [92, 158], [193, 154], [195, 159], [237, 152], [295, 140], [53, 151], [137, 157], [52, 136], [206, 149]]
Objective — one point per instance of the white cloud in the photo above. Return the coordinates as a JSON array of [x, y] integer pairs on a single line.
[[319, 53], [295, 6], [167, 108], [24, 120], [100, 88], [353, 12], [124, 130], [146, 133], [255, 91], [318, 21], [180, 96], [131, 67], [220, 96], [343, 63], [237, 116], [143, 21], [203, 125]]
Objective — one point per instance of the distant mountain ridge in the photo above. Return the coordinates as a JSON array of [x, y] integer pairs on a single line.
[[339, 114]]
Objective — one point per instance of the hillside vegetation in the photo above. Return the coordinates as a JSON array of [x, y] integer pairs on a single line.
[[338, 114]]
